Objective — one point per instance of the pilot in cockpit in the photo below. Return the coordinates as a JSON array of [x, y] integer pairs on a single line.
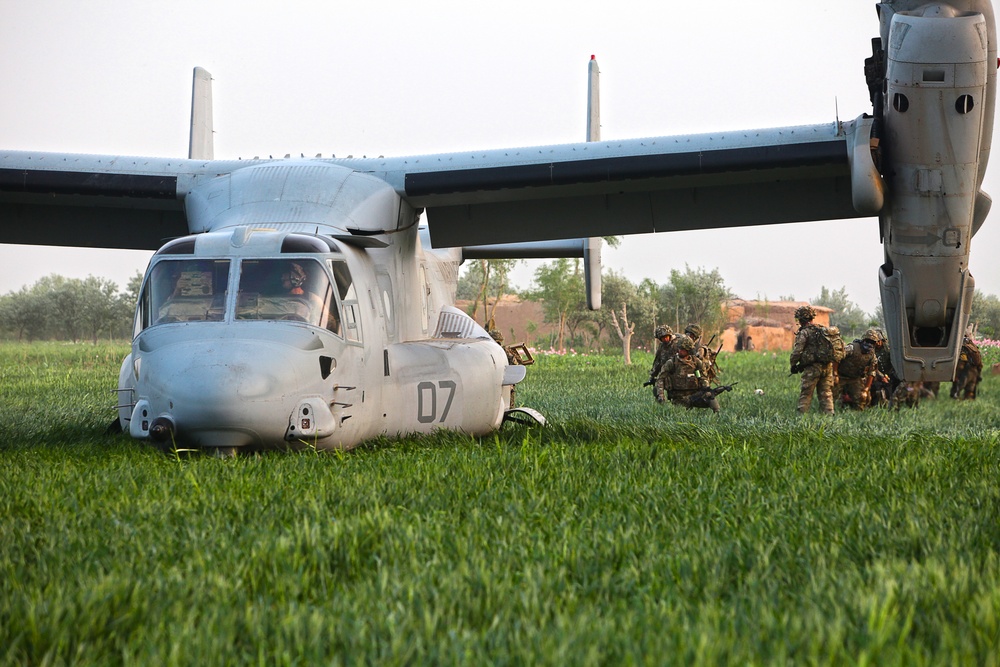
[[294, 278]]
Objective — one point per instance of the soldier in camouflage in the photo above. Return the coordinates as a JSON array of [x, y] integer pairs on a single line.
[[816, 377], [512, 359], [683, 377], [886, 381], [968, 372], [664, 352], [702, 351], [856, 372], [908, 394]]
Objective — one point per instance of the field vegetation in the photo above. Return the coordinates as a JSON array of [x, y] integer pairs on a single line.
[[624, 532]]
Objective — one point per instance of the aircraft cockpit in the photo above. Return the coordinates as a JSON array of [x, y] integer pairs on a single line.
[[290, 284]]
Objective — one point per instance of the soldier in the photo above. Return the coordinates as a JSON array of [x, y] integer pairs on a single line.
[[856, 371], [968, 372], [664, 351], [885, 379], [683, 377], [703, 352], [512, 358], [816, 374], [908, 394]]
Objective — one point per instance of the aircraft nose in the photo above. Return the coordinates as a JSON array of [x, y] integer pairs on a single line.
[[231, 393]]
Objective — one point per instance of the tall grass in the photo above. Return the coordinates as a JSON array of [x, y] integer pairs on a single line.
[[624, 532]]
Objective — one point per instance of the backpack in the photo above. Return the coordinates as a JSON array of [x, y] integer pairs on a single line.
[[973, 357], [823, 346]]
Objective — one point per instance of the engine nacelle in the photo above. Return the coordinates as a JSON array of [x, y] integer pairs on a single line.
[[935, 96]]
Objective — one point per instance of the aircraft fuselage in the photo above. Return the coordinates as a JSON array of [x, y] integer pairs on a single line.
[[259, 334]]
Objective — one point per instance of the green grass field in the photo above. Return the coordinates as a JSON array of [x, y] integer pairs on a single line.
[[625, 532]]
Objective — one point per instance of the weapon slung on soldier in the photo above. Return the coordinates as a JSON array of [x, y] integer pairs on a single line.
[[715, 391]]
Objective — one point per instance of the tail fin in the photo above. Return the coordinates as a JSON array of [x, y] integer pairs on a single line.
[[588, 248], [592, 250], [593, 101], [201, 144]]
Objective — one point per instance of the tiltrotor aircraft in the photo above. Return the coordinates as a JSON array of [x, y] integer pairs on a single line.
[[298, 302]]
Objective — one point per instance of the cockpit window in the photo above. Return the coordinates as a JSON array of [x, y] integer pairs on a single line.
[[290, 289], [300, 243], [295, 289], [181, 246], [184, 290], [349, 298]]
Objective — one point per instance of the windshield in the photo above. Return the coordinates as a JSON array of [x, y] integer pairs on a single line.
[[287, 289], [195, 290], [189, 290]]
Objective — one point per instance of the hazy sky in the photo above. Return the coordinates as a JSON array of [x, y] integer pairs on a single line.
[[365, 78]]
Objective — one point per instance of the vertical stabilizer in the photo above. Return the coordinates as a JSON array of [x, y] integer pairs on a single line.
[[593, 101], [201, 145], [592, 254]]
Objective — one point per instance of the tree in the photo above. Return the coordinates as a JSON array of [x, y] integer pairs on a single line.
[[649, 293], [101, 306], [846, 316], [694, 296], [486, 282], [985, 317], [56, 307], [559, 286], [625, 305], [24, 312]]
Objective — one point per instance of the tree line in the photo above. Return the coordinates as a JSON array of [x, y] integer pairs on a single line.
[[630, 311], [59, 308]]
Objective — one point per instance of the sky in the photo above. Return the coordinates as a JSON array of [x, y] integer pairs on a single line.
[[363, 78]]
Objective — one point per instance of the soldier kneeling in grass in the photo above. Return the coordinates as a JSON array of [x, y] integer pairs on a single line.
[[685, 381]]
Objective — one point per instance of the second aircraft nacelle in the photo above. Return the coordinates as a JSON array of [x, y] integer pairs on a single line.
[[936, 121]]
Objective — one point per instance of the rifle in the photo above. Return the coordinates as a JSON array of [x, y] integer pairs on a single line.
[[705, 398], [715, 391]]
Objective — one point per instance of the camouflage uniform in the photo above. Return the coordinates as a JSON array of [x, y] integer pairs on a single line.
[[684, 375], [664, 352], [968, 372], [886, 380], [511, 360], [856, 372], [815, 377], [908, 394], [703, 352]]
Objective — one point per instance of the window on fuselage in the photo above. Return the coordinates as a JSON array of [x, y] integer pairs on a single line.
[[289, 289], [349, 298], [183, 290]]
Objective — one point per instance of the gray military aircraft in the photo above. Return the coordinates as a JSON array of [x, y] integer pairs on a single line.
[[298, 301]]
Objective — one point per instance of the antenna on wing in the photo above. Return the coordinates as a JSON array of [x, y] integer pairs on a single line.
[[592, 248], [201, 145]]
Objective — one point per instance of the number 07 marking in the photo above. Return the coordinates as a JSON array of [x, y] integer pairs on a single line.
[[427, 400]]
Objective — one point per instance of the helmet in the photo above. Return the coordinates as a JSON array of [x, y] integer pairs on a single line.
[[496, 335], [874, 335], [805, 313], [663, 330], [686, 344], [693, 330]]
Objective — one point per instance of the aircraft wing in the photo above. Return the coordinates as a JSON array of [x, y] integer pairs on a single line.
[[472, 198], [96, 201], [633, 186]]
